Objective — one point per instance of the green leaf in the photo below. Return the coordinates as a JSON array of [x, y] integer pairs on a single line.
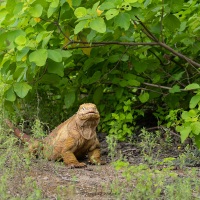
[[184, 131], [76, 3], [95, 6], [69, 99], [195, 128], [171, 22], [39, 57], [22, 53], [80, 12], [54, 55], [144, 97], [175, 6], [175, 88], [21, 89], [51, 10], [185, 115], [114, 58], [111, 13], [123, 20], [36, 10], [10, 95], [56, 68], [197, 140], [98, 94], [131, 1], [98, 25], [194, 101], [95, 77], [129, 117], [20, 40], [140, 66], [119, 92], [107, 5], [66, 54], [50, 79], [80, 26], [54, 4], [192, 86], [123, 83], [125, 6], [133, 82], [129, 76]]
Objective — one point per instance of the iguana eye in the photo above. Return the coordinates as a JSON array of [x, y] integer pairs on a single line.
[[83, 108]]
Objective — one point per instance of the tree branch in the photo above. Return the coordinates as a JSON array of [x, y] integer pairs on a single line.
[[115, 42], [190, 61]]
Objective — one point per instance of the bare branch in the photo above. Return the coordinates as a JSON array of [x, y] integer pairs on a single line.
[[191, 62], [117, 43]]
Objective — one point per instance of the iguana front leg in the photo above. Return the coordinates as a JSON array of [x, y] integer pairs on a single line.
[[70, 160], [95, 155], [68, 156]]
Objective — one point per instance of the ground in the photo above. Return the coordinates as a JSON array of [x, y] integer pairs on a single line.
[[42, 179]]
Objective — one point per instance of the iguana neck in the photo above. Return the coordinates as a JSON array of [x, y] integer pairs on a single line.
[[87, 128]]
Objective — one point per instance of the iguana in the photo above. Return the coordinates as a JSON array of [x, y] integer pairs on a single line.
[[72, 139]]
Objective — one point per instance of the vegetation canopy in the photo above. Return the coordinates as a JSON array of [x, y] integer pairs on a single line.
[[130, 57]]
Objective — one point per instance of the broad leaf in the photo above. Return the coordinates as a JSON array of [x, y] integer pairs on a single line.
[[175, 88], [22, 53], [131, 1], [107, 5], [56, 68], [144, 97], [195, 128], [111, 13], [194, 101], [184, 131], [98, 94], [98, 25], [192, 86], [39, 57], [54, 55], [10, 95], [175, 6], [119, 92], [171, 22], [20, 40], [80, 12], [36, 11], [21, 89], [123, 20], [80, 26], [69, 99], [95, 77], [51, 79]]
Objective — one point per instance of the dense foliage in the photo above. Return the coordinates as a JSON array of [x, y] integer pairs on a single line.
[[130, 57]]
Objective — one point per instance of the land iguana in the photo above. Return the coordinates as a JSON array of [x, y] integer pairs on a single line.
[[74, 138]]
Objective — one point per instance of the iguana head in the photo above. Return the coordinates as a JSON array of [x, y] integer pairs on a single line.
[[88, 111]]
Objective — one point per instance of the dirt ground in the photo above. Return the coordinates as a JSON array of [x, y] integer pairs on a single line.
[[56, 181], [59, 182]]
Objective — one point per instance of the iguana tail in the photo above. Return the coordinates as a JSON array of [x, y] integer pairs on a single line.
[[22, 136]]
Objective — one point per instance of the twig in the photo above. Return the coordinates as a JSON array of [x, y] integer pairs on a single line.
[[191, 62], [163, 87], [116, 63], [116, 42], [162, 44]]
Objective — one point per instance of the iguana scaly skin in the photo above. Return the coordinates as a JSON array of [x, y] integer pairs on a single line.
[[72, 139]]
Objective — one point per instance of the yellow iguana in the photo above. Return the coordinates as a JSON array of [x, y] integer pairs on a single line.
[[74, 138]]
